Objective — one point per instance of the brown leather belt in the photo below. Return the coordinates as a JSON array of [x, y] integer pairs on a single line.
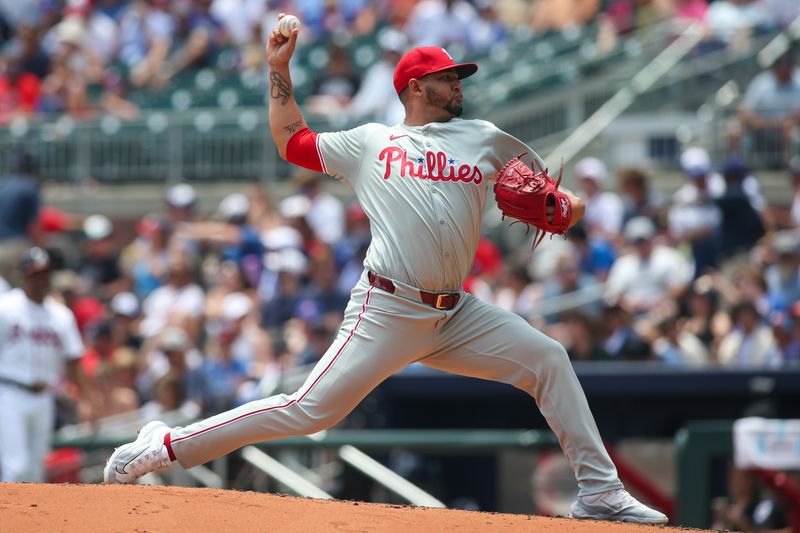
[[437, 300], [36, 388]]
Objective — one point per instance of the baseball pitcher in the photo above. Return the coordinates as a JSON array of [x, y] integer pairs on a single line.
[[423, 184]]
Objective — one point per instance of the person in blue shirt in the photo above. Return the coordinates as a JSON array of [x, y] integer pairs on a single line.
[[20, 199]]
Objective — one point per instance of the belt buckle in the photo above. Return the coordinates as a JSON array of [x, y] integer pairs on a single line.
[[438, 303]]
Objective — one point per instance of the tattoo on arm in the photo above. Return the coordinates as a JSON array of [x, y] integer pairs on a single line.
[[279, 88], [293, 127]]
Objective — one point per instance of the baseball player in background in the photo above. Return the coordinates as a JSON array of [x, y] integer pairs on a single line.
[[423, 185], [39, 341]]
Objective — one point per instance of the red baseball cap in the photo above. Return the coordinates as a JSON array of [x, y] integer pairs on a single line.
[[419, 62]]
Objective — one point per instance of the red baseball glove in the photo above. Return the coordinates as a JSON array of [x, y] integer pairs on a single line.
[[525, 194]]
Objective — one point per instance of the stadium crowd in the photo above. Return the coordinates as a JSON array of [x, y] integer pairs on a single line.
[[86, 57]]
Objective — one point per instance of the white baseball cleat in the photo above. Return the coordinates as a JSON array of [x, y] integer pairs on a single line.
[[146, 454], [616, 505]]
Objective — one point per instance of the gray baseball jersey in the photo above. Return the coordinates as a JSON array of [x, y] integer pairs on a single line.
[[424, 190]]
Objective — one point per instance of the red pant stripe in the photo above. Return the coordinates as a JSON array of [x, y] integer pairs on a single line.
[[287, 404]]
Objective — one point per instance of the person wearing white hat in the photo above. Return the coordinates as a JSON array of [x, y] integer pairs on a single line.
[[376, 97], [648, 273], [180, 201], [604, 209], [320, 210], [125, 321], [694, 218], [240, 334]]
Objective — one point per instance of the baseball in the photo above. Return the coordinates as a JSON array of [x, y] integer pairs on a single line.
[[287, 24]]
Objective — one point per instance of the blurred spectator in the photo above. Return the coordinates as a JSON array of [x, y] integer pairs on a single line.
[[228, 279], [487, 31], [560, 15], [743, 180], [99, 266], [791, 350], [351, 250], [687, 12], [278, 306], [794, 209], [376, 98], [108, 368], [319, 338], [336, 86], [749, 507], [224, 374], [175, 355], [604, 209], [20, 92], [239, 333], [238, 240], [568, 278], [621, 341], [782, 329], [20, 198], [425, 27], [702, 316], [638, 198], [736, 511], [178, 302], [321, 300], [649, 273], [120, 383], [783, 275], [75, 66], [144, 261], [180, 201], [770, 111], [126, 312], [734, 21], [199, 37], [74, 293], [487, 267], [515, 291], [325, 214], [676, 345], [747, 283], [596, 255], [740, 224], [783, 12], [146, 31], [694, 218], [750, 343], [581, 337], [239, 18], [26, 52]]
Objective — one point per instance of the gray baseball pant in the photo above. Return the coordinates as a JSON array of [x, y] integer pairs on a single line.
[[381, 334]]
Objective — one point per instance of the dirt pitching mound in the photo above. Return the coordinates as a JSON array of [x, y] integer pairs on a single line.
[[95, 508]]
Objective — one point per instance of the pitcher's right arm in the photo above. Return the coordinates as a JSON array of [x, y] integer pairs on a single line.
[[285, 118]]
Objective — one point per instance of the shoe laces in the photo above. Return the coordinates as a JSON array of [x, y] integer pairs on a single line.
[[150, 461], [618, 498]]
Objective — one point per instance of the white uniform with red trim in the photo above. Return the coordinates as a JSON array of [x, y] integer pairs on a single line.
[[35, 342], [424, 189]]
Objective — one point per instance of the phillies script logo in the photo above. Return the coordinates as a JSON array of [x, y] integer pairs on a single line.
[[434, 166]]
